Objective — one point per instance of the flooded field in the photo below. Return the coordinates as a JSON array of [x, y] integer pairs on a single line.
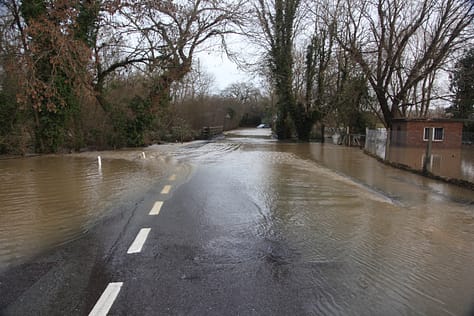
[[48, 200], [346, 233]]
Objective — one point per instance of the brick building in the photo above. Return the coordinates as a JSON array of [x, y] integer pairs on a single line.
[[445, 133]]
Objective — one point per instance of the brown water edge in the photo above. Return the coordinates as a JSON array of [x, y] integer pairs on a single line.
[[48, 200], [455, 181]]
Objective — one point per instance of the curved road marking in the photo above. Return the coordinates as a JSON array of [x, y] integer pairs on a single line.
[[103, 305], [139, 241], [156, 208], [166, 189]]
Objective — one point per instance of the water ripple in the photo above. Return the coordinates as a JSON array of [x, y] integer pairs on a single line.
[[52, 199]]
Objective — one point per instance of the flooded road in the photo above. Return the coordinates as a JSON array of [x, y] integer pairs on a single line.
[[263, 227], [350, 235]]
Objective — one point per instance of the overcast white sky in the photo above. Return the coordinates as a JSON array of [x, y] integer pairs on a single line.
[[224, 70], [215, 61]]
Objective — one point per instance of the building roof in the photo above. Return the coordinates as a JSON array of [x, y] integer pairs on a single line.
[[436, 120]]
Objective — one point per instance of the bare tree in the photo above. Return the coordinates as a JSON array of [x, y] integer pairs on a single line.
[[70, 50], [171, 32], [195, 84], [244, 92], [248, 103], [322, 64], [400, 43]]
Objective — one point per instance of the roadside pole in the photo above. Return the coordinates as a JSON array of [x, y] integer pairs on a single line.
[[429, 145], [387, 144]]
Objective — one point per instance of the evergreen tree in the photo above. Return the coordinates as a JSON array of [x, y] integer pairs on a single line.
[[462, 85]]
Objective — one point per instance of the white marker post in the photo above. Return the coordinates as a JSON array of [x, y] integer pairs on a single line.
[[99, 161]]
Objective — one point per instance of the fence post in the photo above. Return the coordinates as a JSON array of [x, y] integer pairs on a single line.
[[366, 138], [322, 133], [387, 144], [429, 146]]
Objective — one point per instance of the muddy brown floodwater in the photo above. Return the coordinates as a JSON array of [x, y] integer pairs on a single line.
[[48, 200], [351, 234]]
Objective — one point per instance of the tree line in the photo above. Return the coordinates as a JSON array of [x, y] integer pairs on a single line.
[[113, 73], [76, 73], [383, 55]]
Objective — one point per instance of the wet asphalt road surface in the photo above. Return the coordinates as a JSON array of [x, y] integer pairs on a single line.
[[189, 264], [237, 236]]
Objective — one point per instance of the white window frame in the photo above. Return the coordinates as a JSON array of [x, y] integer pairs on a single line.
[[425, 139]]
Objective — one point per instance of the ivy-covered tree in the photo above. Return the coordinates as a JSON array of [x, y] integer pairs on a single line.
[[55, 68], [277, 20], [462, 85]]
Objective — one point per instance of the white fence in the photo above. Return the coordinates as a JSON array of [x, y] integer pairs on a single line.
[[376, 141]]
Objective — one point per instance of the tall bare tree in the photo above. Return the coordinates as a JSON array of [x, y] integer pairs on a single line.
[[171, 32], [400, 43], [159, 40], [194, 85]]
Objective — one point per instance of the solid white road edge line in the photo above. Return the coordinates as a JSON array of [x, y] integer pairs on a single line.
[[103, 305], [156, 208], [166, 189], [137, 244]]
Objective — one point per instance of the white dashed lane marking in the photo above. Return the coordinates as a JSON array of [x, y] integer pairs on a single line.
[[107, 299], [156, 208], [139, 241], [103, 305], [166, 189]]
